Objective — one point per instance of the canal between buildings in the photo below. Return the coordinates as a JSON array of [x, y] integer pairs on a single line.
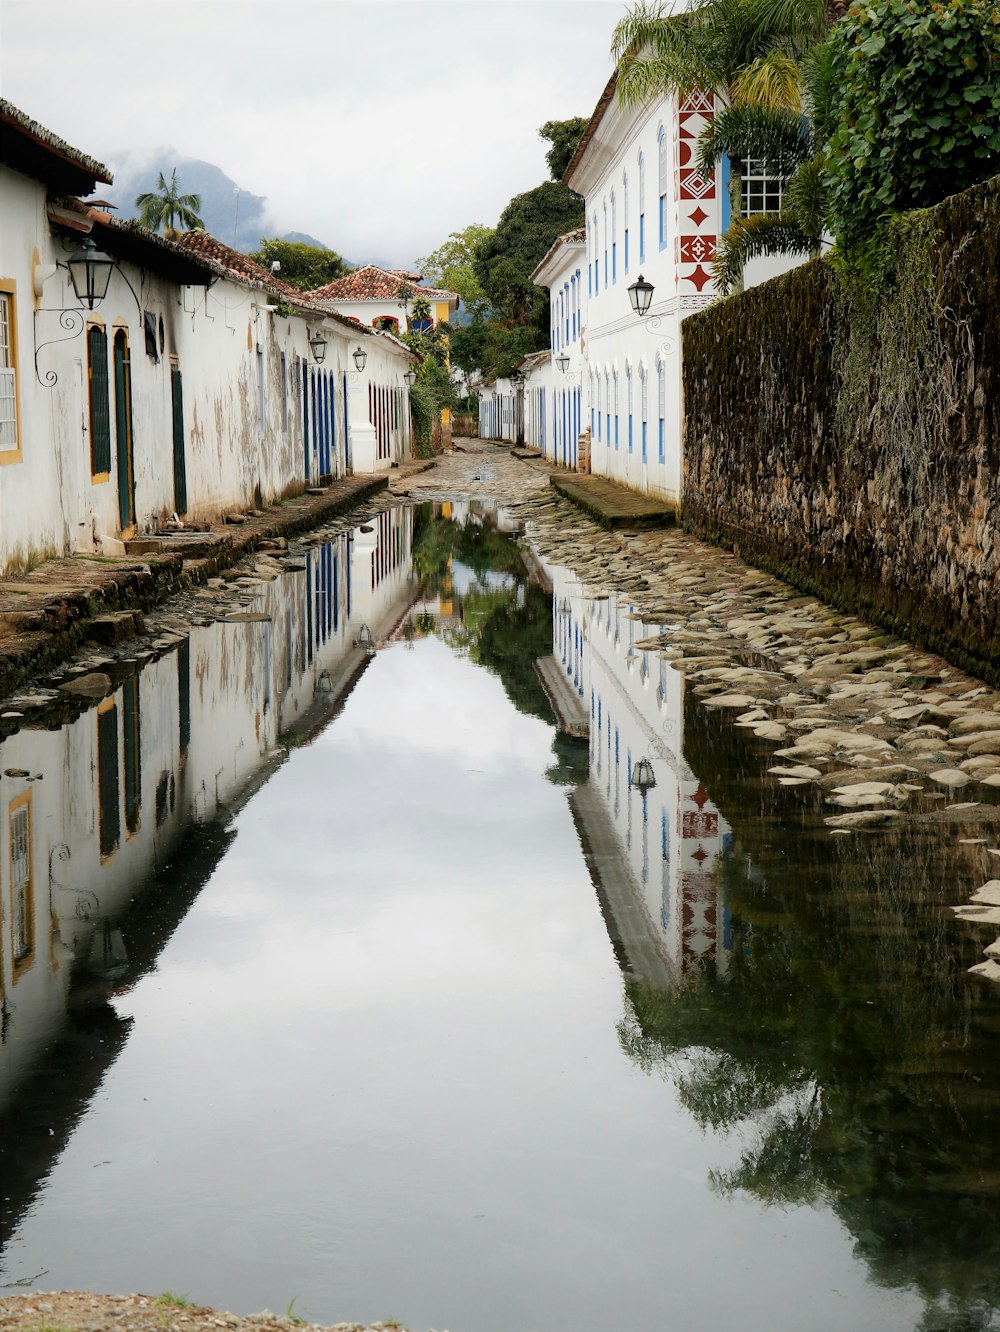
[[335, 973]]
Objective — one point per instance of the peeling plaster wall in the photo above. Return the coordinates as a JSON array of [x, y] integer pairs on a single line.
[[225, 339], [32, 521]]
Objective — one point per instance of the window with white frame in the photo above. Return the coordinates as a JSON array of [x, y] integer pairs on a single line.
[[8, 374], [661, 410], [617, 417], [642, 208], [605, 243], [761, 191], [643, 407], [661, 183], [596, 269], [625, 219], [628, 403], [614, 238]]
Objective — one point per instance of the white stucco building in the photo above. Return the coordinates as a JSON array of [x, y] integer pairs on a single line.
[[648, 212], [199, 384], [377, 297]]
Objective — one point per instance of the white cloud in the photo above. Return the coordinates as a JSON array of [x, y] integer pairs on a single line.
[[379, 127]]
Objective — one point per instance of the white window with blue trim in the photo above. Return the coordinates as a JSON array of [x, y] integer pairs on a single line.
[[625, 220], [642, 209], [628, 402], [643, 408], [661, 410], [605, 243], [614, 238], [661, 183]]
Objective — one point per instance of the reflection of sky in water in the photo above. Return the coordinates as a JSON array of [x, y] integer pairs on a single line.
[[377, 1070], [462, 578]]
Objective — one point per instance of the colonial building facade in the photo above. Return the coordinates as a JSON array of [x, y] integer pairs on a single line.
[[615, 378], [197, 383]]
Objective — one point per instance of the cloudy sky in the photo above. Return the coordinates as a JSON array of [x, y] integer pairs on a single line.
[[379, 127]]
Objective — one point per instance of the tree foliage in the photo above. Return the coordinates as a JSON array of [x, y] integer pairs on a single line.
[[303, 266], [919, 115], [563, 135], [748, 52], [164, 207], [526, 229], [452, 266]]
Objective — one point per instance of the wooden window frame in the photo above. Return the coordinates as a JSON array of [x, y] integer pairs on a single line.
[[20, 965], [97, 478], [8, 288]]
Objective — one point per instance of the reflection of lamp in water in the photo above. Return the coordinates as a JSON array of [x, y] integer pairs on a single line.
[[108, 956], [324, 685], [564, 606], [365, 640], [643, 777]]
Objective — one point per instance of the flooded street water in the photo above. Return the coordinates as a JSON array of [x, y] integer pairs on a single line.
[[334, 972]]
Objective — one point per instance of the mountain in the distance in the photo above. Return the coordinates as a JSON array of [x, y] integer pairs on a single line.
[[231, 214]]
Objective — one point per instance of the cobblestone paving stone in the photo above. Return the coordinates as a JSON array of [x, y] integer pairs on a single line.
[[887, 732]]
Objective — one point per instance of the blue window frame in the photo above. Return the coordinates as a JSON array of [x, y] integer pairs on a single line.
[[625, 220]]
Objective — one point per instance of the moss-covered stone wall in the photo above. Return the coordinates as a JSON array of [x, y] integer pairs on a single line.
[[851, 442]]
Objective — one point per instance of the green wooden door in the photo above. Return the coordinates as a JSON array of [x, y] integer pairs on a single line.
[[180, 467], [123, 432]]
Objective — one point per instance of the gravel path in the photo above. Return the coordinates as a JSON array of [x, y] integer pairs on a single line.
[[72, 1311]]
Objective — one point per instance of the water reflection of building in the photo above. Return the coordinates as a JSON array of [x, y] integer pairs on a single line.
[[664, 894], [94, 809]]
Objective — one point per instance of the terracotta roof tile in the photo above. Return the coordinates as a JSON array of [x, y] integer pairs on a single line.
[[575, 237], [238, 265], [30, 147], [372, 283]]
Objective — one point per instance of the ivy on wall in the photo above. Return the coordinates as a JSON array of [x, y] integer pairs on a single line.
[[851, 440]]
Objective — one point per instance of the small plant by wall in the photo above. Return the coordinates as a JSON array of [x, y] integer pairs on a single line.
[[848, 437]]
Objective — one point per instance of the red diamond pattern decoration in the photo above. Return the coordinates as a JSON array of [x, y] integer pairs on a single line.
[[699, 216]]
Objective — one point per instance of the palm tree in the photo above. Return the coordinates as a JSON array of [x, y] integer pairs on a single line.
[[791, 145], [163, 207], [749, 53]]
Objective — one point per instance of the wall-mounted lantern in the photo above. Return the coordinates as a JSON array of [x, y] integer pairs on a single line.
[[640, 293], [360, 357], [562, 361], [410, 378], [317, 345], [90, 273], [643, 777]]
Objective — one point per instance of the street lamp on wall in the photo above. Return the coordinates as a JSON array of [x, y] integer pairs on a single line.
[[562, 361], [643, 778], [317, 345], [360, 358], [410, 378], [90, 273], [640, 293]]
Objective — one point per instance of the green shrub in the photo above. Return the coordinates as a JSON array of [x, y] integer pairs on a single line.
[[920, 111]]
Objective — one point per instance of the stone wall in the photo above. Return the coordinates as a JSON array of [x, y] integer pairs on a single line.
[[851, 442]]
